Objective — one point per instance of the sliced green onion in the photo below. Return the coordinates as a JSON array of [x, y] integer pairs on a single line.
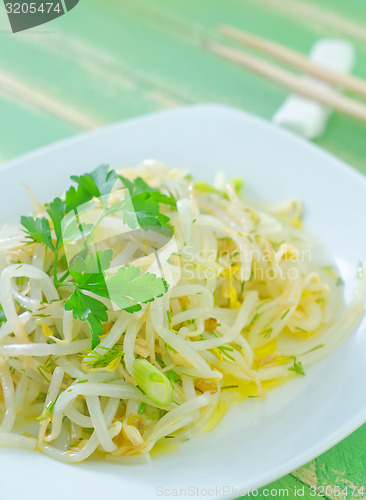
[[203, 187], [152, 382], [238, 184]]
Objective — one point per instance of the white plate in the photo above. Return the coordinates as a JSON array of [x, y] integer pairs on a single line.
[[258, 441]]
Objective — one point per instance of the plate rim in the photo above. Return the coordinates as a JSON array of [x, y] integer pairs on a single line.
[[205, 106]]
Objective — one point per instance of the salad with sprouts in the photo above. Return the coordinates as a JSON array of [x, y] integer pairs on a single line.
[[138, 307]]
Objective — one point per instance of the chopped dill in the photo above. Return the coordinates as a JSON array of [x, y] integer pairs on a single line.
[[22, 307], [223, 350], [297, 367], [262, 304], [267, 333], [43, 371], [300, 329], [96, 359], [314, 349], [226, 348], [229, 387], [285, 314], [255, 318], [50, 361], [168, 346]]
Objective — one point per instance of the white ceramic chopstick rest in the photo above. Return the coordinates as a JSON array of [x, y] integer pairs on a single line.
[[304, 116]]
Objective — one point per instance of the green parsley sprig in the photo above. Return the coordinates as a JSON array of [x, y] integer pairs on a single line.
[[127, 288]]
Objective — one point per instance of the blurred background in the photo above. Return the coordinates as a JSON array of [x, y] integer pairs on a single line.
[[108, 60]]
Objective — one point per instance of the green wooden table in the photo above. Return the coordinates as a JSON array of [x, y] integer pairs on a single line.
[[112, 59]]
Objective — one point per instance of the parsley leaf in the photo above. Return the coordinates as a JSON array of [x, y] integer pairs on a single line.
[[76, 197], [90, 270], [74, 231], [103, 358], [144, 206], [88, 309], [128, 288], [99, 182], [139, 186], [56, 211], [38, 230], [144, 210]]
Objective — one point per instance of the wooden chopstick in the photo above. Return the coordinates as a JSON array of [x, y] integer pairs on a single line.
[[308, 89], [297, 60]]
